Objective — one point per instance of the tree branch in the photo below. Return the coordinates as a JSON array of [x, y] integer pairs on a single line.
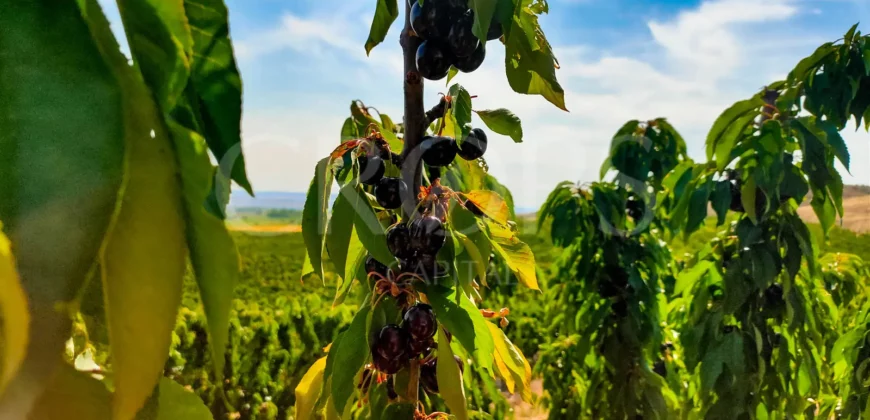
[[436, 112], [415, 118]]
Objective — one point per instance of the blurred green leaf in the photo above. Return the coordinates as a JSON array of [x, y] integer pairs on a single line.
[[369, 229], [314, 213], [350, 355], [464, 322], [308, 390], [450, 384], [70, 392]]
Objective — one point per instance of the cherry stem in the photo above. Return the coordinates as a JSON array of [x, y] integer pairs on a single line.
[[414, 380]]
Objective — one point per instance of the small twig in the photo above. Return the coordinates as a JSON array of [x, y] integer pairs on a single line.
[[436, 112]]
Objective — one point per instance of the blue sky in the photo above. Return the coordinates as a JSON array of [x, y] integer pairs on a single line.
[[302, 62]]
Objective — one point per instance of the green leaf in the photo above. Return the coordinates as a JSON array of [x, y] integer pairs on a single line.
[[449, 377], [484, 10], [353, 267], [451, 74], [721, 200], [687, 279], [348, 130], [530, 65], [461, 112], [515, 253], [808, 65], [338, 234], [69, 392], [161, 45], [369, 229], [729, 125], [61, 167], [314, 213], [350, 355], [308, 390], [217, 85], [142, 297], [213, 253], [698, 206], [385, 13], [836, 142], [14, 312], [479, 264], [175, 402], [747, 196], [465, 322], [825, 210], [504, 122], [514, 361]]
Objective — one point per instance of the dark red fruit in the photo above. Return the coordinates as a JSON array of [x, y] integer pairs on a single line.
[[389, 192], [461, 40], [371, 169], [474, 145], [736, 200], [417, 348], [472, 62], [425, 266], [431, 20], [620, 308], [773, 296], [433, 60], [399, 240], [375, 266], [427, 235], [635, 208], [419, 322], [438, 151], [495, 30], [391, 342], [660, 368], [428, 374], [389, 365]]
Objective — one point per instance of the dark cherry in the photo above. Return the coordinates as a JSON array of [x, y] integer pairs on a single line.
[[620, 308], [371, 169], [660, 368], [375, 266], [618, 276], [391, 342], [438, 150], [776, 340], [387, 365], [417, 348], [495, 30], [433, 60], [419, 322], [461, 40], [773, 295], [472, 62], [424, 265], [427, 235], [432, 19], [635, 208], [389, 192], [474, 145], [728, 329], [399, 241], [607, 289], [428, 374]]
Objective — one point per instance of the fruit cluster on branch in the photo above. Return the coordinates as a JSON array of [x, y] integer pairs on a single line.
[[446, 27]]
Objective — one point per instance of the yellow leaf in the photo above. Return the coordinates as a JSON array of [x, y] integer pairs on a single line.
[[145, 254], [491, 204], [13, 313], [450, 379], [72, 394], [518, 368], [516, 254], [308, 390]]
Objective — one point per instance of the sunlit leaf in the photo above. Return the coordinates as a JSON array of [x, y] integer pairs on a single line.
[[449, 377], [350, 354], [465, 322], [176, 402], [308, 390], [315, 212], [491, 204], [514, 361], [14, 313], [515, 253]]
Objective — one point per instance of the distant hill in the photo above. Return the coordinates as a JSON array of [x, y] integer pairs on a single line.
[[268, 200]]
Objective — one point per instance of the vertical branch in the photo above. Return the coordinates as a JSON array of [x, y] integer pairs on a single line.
[[415, 118]]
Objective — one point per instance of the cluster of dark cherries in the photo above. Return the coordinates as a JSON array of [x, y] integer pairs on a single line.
[[445, 25], [415, 245]]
